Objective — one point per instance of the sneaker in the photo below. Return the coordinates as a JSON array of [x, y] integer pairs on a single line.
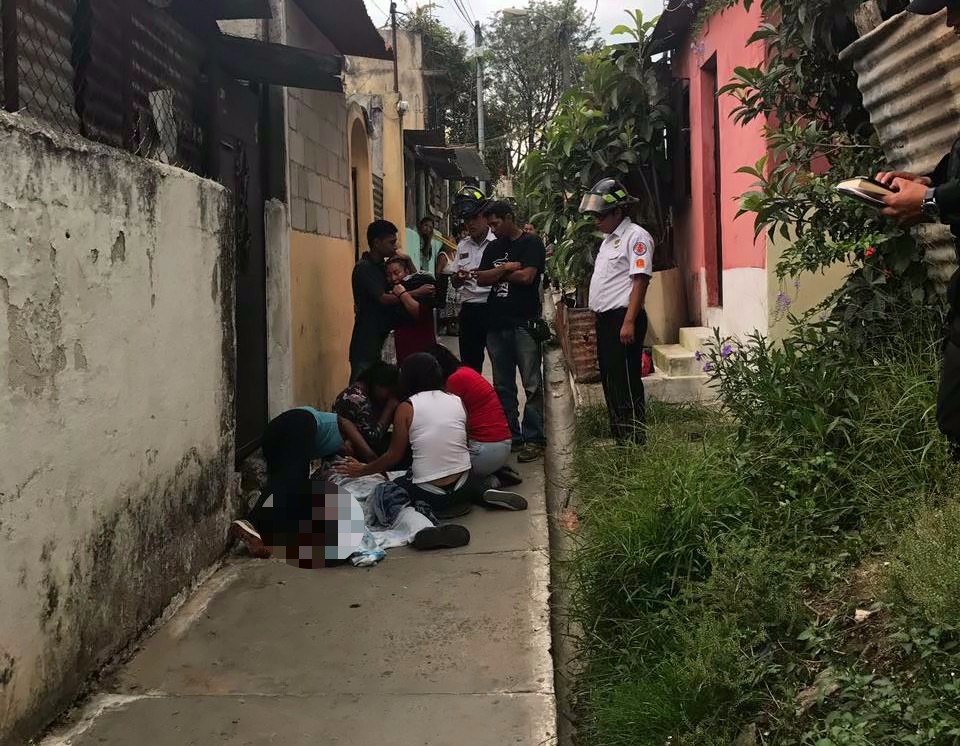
[[441, 537], [530, 452], [454, 510], [502, 500], [245, 532], [507, 477]]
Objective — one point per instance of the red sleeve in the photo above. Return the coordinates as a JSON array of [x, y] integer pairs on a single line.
[[457, 383]]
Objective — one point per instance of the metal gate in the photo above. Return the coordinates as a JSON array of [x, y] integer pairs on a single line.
[[240, 170]]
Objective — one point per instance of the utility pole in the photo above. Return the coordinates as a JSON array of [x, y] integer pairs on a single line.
[[481, 125], [396, 63]]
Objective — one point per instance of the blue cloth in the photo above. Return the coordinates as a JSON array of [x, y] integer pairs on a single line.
[[510, 349], [387, 501], [328, 439]]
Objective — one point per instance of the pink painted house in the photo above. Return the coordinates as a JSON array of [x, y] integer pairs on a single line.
[[729, 276]]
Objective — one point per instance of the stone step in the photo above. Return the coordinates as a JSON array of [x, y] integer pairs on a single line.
[[696, 338], [676, 360], [679, 389]]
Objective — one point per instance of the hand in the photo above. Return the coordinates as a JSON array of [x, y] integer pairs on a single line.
[[424, 291], [905, 204], [349, 467], [463, 275], [510, 267], [888, 177], [398, 290], [628, 334]]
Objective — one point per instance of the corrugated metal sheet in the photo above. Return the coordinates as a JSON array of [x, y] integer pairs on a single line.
[[909, 73]]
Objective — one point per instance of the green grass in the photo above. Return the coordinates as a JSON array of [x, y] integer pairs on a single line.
[[718, 569]]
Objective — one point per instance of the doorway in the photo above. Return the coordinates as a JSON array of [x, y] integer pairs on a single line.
[[712, 183]]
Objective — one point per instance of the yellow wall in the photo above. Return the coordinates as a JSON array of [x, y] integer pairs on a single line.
[[322, 310], [394, 196], [666, 307], [804, 294]]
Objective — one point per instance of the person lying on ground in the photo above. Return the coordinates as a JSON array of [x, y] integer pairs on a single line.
[[433, 424], [408, 286], [488, 434], [366, 409], [291, 442]]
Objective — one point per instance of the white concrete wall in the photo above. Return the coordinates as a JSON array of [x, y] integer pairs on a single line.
[[279, 310], [116, 405]]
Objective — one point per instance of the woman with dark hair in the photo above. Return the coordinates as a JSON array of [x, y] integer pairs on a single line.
[[420, 331], [367, 407], [433, 424], [488, 434]]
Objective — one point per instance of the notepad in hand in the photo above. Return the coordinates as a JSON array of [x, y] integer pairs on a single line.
[[866, 190]]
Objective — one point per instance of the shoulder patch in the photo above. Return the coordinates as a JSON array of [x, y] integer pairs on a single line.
[[640, 248], [641, 263]]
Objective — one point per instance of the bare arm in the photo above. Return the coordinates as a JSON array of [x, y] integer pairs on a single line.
[[638, 296], [525, 276], [407, 300], [396, 451], [353, 436], [494, 275]]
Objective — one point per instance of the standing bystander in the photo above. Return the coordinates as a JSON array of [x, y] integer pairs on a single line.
[[468, 206]]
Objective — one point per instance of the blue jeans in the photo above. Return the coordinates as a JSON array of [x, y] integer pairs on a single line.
[[509, 350]]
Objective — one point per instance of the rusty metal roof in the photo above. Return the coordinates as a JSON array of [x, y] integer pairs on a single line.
[[348, 27], [279, 64], [906, 70], [674, 24]]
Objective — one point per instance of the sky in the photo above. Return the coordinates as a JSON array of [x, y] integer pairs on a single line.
[[610, 13]]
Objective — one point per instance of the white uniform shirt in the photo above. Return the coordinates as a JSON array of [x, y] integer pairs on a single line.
[[469, 254], [624, 254]]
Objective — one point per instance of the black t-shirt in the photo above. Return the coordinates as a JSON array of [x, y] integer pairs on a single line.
[[374, 320], [509, 304]]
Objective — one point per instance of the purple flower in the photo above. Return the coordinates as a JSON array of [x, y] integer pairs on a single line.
[[726, 352], [698, 355], [796, 284], [783, 302], [708, 368]]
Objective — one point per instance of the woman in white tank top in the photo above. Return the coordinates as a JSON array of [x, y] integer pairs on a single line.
[[434, 425]]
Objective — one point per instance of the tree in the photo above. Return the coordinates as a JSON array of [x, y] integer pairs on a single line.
[[532, 60], [452, 106]]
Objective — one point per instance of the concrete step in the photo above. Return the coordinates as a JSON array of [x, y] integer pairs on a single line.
[[696, 338], [679, 389], [676, 360]]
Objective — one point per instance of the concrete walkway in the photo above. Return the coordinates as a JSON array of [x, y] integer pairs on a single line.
[[441, 649]]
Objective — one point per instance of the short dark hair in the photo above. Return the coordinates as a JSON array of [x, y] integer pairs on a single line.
[[420, 372], [426, 218], [449, 363], [380, 374], [380, 229], [499, 210]]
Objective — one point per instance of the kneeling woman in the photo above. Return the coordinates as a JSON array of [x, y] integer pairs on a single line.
[[290, 443], [488, 434], [433, 424]]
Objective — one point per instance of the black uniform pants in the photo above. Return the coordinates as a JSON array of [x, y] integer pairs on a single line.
[[621, 370], [473, 334], [948, 396]]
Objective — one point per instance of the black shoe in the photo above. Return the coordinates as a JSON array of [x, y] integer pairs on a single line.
[[507, 477], [530, 452], [441, 537], [501, 500], [517, 445]]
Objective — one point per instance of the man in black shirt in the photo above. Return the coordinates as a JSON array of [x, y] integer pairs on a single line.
[[936, 197], [377, 309], [511, 267]]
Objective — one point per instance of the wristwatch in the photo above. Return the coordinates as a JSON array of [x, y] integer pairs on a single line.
[[929, 206]]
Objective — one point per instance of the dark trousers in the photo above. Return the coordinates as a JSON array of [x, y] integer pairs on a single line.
[[288, 445], [621, 369], [473, 334]]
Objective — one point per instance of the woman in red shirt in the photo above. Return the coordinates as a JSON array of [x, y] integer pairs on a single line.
[[488, 434], [421, 331]]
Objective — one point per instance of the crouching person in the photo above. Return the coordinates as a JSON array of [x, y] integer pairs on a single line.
[[433, 424], [290, 443]]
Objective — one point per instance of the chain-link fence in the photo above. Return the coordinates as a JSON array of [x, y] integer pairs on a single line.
[[120, 72]]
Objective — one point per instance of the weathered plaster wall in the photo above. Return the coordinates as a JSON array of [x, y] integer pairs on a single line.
[[322, 301], [116, 409], [279, 309], [376, 76], [744, 280]]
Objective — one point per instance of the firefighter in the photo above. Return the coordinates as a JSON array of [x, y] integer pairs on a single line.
[[618, 290], [936, 197]]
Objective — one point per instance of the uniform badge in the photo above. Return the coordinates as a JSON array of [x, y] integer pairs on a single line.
[[640, 249], [641, 264], [616, 243]]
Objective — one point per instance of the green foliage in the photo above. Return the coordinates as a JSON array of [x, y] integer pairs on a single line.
[[612, 125], [718, 570]]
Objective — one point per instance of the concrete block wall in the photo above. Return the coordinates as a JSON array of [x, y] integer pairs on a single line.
[[116, 405]]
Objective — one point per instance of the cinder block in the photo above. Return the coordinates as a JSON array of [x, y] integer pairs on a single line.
[[298, 214], [676, 360], [696, 338]]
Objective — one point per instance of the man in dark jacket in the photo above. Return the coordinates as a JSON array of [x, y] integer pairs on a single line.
[[936, 197]]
